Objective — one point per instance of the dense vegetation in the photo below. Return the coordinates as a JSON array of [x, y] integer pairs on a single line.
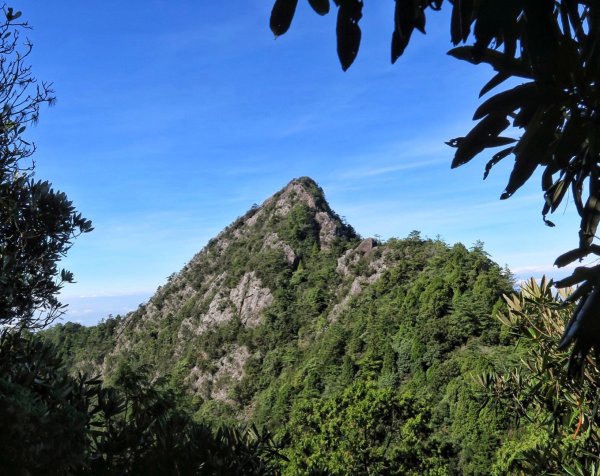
[[386, 385], [425, 368], [558, 415], [378, 391], [56, 423]]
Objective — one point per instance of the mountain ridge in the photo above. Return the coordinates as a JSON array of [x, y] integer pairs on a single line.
[[288, 308]]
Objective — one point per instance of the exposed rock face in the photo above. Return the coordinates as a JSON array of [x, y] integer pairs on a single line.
[[328, 229], [244, 301], [229, 371], [219, 311], [250, 299], [295, 191], [349, 265], [272, 241], [352, 256], [366, 246]]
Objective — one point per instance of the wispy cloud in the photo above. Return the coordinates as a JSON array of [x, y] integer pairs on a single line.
[[402, 165]]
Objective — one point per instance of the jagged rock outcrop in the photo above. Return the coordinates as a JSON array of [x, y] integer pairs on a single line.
[[249, 299], [218, 384], [272, 241]]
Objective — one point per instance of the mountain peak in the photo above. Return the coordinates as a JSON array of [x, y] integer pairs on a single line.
[[304, 181], [302, 200], [301, 190]]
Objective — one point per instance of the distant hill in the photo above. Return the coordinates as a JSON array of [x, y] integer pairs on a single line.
[[347, 347]]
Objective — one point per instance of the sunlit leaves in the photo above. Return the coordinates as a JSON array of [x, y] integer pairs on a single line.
[[540, 390], [362, 427]]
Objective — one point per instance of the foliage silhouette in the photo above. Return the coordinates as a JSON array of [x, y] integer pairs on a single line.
[[74, 425], [43, 411]]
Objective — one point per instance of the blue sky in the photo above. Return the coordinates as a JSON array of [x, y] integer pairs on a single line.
[[173, 118]]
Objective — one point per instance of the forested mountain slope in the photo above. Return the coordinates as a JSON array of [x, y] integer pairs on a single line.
[[359, 354]]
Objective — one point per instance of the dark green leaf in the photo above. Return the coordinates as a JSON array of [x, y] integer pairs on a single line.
[[460, 23], [282, 15], [532, 149], [405, 16], [589, 222], [547, 179], [500, 141], [579, 274], [495, 159], [320, 6], [510, 100], [583, 290], [521, 172], [540, 38], [525, 115], [570, 256], [556, 193], [499, 61], [481, 136], [584, 322], [420, 21], [495, 20], [348, 33], [492, 83], [399, 44]]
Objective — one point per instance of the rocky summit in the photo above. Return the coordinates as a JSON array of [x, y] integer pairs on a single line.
[[232, 283]]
